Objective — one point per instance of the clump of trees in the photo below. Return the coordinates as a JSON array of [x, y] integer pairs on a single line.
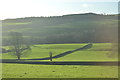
[[17, 44]]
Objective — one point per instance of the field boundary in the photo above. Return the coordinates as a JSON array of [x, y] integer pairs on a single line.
[[65, 53], [106, 63]]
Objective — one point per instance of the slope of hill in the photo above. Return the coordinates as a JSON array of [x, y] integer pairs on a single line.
[[73, 28]]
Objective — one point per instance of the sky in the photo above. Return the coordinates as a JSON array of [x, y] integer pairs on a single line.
[[36, 8]]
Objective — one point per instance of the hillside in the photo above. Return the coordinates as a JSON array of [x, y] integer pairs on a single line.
[[73, 28]]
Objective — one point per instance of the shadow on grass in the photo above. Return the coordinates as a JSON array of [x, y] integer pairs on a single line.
[[65, 53], [107, 63], [24, 61], [56, 56]]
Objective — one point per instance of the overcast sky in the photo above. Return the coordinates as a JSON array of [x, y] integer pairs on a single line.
[[28, 8]]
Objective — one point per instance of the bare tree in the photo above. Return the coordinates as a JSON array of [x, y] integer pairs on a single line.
[[50, 54], [18, 46]]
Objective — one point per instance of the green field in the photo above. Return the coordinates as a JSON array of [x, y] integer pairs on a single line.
[[41, 51], [99, 52], [58, 71], [66, 34]]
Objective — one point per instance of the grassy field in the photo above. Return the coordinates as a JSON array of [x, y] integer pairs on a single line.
[[99, 52], [58, 71], [41, 51]]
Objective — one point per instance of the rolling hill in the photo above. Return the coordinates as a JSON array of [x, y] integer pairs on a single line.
[[72, 28]]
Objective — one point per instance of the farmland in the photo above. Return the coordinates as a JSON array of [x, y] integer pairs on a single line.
[[74, 28], [99, 52], [84, 38], [58, 71]]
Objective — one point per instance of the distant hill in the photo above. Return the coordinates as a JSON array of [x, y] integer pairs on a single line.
[[72, 28]]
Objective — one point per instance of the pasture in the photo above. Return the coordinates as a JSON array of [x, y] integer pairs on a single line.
[[98, 52], [58, 71]]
